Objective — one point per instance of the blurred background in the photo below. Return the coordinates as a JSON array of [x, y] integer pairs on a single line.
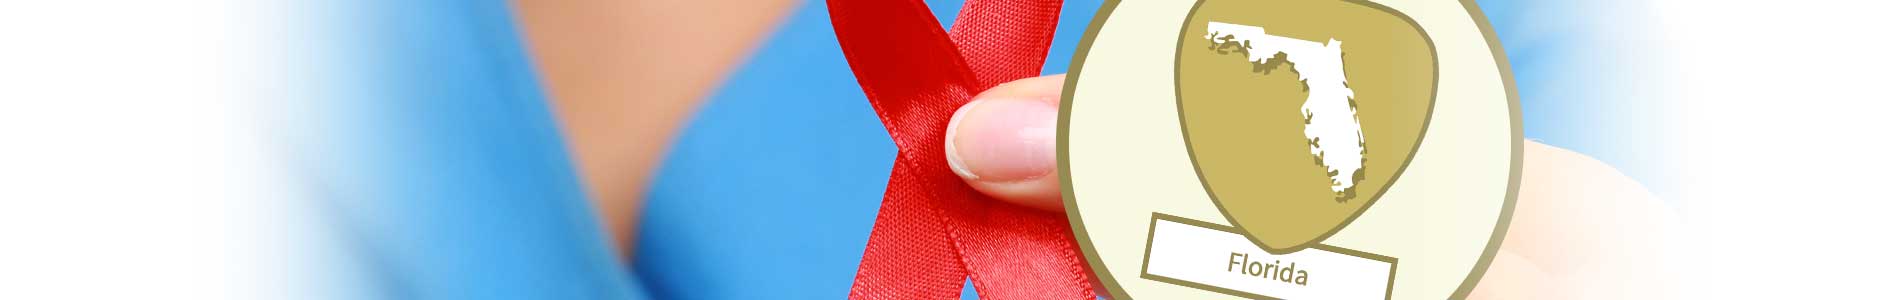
[[406, 149]]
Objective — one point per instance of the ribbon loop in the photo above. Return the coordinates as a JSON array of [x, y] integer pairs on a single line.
[[992, 37], [932, 230]]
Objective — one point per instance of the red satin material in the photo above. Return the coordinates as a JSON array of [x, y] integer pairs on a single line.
[[933, 230]]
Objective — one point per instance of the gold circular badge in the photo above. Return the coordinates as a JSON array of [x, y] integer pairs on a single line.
[[1309, 149]]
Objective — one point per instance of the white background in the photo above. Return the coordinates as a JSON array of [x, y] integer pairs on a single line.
[[129, 167], [1783, 123]]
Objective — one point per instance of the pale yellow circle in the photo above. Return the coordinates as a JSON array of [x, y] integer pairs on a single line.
[[1124, 159]]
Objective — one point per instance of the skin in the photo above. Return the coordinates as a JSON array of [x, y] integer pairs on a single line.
[[620, 99], [621, 96]]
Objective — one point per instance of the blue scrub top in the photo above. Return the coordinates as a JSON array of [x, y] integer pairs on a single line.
[[446, 178]]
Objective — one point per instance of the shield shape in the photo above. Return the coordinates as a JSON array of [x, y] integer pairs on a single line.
[[1299, 114]]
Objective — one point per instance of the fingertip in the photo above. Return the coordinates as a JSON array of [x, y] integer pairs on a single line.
[[1003, 143]]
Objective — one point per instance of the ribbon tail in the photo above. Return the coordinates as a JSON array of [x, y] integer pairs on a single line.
[[1015, 252], [913, 78], [910, 254]]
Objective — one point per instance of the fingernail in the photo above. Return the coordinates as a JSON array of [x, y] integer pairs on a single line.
[[1003, 139]]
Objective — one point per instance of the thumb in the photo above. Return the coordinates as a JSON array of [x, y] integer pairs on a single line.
[[1003, 143]]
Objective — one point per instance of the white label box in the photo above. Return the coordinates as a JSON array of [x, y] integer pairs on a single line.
[[1214, 257]]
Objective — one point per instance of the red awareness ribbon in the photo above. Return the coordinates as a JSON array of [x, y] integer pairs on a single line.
[[933, 230]]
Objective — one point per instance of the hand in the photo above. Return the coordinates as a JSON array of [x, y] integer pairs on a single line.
[[1581, 230]]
